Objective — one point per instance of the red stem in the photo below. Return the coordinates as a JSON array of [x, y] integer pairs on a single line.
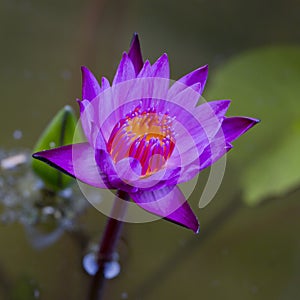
[[108, 243], [113, 229]]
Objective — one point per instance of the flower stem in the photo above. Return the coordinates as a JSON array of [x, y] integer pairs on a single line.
[[108, 243]]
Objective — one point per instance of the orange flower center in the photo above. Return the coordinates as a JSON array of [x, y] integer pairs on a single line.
[[146, 136]]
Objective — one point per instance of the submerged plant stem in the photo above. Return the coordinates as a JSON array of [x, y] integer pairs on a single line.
[[108, 243]]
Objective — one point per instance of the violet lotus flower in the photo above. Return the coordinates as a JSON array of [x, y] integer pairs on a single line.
[[145, 136]]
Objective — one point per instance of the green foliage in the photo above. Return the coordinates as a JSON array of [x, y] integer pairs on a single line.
[[264, 83], [60, 131]]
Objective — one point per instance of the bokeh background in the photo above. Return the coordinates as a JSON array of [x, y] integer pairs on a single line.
[[249, 242]]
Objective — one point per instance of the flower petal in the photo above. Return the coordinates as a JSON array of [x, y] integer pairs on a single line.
[[210, 115], [125, 70], [135, 53], [216, 108], [110, 173], [162, 178], [104, 84], [196, 80], [90, 85], [145, 70], [161, 67], [187, 96], [230, 130], [208, 157], [212, 153], [197, 76], [233, 127], [86, 117], [195, 130], [76, 160], [129, 170], [168, 203]]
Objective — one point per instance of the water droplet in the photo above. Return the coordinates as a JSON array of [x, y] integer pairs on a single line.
[[89, 264], [52, 144], [124, 295], [36, 294], [66, 193], [66, 74], [17, 134], [111, 269], [48, 210]]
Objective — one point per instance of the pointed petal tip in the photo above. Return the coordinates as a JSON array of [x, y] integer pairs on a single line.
[[223, 104], [226, 104], [234, 127], [124, 56], [204, 67], [252, 121], [85, 71], [163, 59], [76, 160], [197, 76], [135, 53], [135, 39], [125, 70], [35, 155], [164, 56], [39, 155], [83, 68], [90, 85], [195, 226], [161, 67], [44, 157]]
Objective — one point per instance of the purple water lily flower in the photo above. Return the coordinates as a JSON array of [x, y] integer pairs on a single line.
[[145, 136]]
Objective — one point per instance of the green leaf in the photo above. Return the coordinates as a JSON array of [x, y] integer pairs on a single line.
[[59, 132], [264, 84], [278, 175]]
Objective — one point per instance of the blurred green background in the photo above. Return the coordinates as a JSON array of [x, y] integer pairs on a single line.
[[248, 247]]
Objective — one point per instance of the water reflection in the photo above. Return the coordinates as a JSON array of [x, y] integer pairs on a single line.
[[111, 269]]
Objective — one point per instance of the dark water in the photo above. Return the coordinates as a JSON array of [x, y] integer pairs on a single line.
[[241, 252]]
